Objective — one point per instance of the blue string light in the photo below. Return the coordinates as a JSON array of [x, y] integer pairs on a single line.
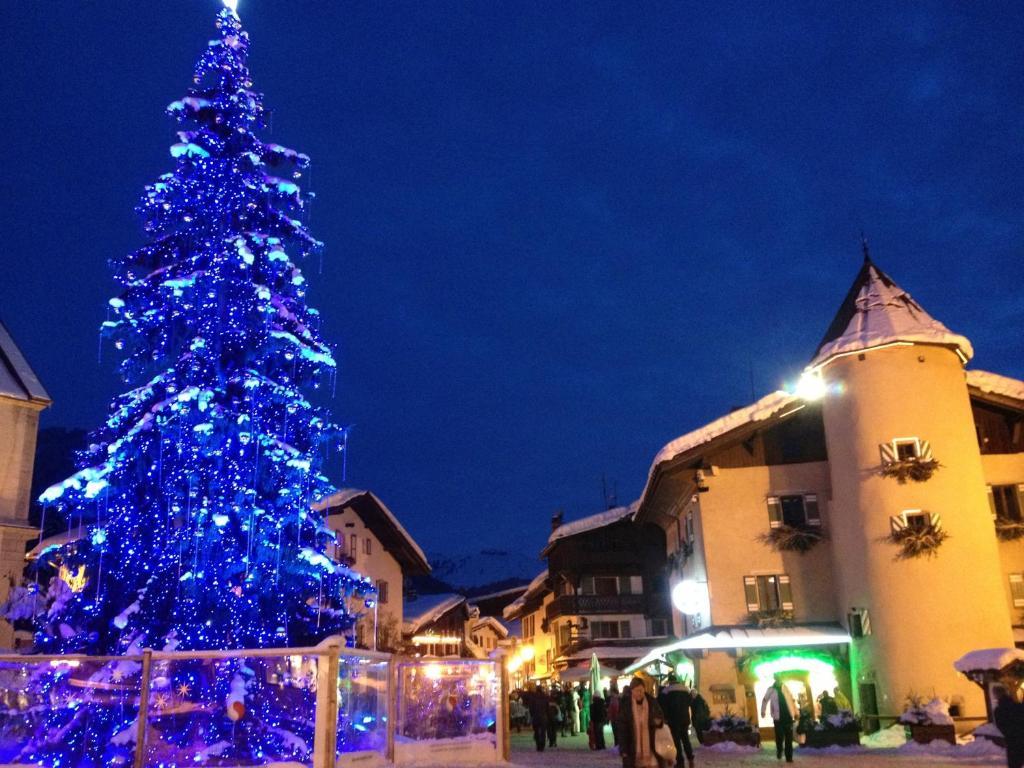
[[206, 470]]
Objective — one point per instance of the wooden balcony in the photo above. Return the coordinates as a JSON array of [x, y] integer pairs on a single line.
[[587, 605]]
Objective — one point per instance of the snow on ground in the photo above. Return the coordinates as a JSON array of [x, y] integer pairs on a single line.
[[573, 753]]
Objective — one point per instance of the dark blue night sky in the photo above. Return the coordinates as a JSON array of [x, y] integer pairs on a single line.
[[559, 234]]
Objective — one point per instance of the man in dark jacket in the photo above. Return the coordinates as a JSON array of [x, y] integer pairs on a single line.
[[1009, 719], [640, 716], [598, 717], [701, 715], [676, 701], [537, 702]]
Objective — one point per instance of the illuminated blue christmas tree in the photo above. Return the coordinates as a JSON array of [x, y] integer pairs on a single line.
[[190, 522]]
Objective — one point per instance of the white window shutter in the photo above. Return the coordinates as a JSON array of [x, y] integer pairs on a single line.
[[750, 590], [785, 593], [813, 514], [925, 450], [888, 452], [636, 585], [897, 523], [1017, 589], [774, 512], [992, 501]]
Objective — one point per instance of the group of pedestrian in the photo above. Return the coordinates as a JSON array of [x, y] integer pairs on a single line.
[[636, 717], [564, 710]]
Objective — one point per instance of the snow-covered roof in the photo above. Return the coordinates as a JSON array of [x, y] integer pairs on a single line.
[[592, 522], [492, 622], [988, 659], [425, 610], [17, 379], [765, 408], [511, 611], [384, 525], [994, 384], [877, 312]]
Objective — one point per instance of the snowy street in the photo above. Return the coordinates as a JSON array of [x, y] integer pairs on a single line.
[[573, 753]]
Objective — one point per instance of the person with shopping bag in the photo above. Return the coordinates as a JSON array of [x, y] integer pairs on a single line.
[[644, 741]]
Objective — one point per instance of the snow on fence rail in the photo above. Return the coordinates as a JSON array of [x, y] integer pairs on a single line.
[[321, 707]]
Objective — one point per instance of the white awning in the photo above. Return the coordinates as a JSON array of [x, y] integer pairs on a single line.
[[747, 637]]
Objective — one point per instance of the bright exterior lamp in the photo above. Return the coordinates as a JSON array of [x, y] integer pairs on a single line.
[[526, 652], [688, 597], [811, 386]]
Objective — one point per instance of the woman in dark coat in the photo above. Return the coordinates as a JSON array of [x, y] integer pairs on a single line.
[[637, 699], [1009, 719]]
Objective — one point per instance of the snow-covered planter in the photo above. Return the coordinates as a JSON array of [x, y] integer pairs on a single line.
[[919, 469], [928, 722], [990, 732], [792, 538], [730, 727], [1009, 530], [771, 619], [917, 540], [841, 729]]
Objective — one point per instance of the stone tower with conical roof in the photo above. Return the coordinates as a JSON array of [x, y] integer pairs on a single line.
[[906, 472]]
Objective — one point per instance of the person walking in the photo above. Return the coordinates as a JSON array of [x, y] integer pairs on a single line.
[[537, 703], [701, 715], [677, 704], [585, 701], [614, 704], [598, 717], [779, 700], [555, 717], [1009, 719], [574, 703], [640, 716]]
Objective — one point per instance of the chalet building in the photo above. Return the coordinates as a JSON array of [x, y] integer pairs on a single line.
[[22, 398], [371, 541], [863, 531], [448, 626], [605, 591]]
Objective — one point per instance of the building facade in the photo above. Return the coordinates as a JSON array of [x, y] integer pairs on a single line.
[[370, 540], [22, 398], [605, 592], [863, 531]]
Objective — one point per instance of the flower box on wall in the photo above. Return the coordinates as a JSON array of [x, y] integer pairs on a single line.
[[743, 738], [929, 732]]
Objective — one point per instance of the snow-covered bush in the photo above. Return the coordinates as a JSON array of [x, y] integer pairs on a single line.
[[919, 712], [729, 721], [844, 720], [917, 469], [792, 538]]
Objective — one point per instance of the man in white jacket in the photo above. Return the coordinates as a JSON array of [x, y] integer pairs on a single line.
[[783, 709]]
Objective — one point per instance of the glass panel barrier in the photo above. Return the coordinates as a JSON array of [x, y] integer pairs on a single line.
[[69, 711], [362, 709], [236, 711], [448, 711]]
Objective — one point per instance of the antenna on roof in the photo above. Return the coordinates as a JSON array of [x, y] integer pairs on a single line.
[[864, 247]]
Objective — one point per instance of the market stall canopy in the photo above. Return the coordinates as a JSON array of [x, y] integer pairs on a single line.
[[721, 638]]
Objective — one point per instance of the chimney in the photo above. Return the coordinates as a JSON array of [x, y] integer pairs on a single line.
[[556, 520]]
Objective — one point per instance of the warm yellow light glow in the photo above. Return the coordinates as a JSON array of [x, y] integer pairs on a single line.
[[432, 671], [76, 581], [526, 652]]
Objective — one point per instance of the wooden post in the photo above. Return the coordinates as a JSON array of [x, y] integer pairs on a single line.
[[393, 708], [143, 721], [503, 715], [325, 737]]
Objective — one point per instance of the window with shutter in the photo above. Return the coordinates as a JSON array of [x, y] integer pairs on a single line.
[[1006, 502], [636, 585], [625, 585], [1017, 589], [811, 509], [774, 512], [785, 593], [587, 585], [750, 590], [906, 448], [992, 503]]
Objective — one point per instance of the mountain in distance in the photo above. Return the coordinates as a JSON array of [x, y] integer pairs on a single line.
[[479, 573]]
